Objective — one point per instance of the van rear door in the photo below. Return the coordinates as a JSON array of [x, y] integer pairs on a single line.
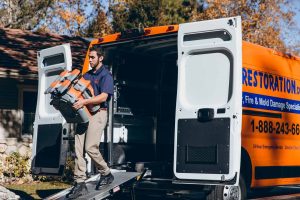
[[51, 131], [207, 143]]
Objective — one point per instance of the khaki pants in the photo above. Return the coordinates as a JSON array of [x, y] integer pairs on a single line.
[[88, 142]]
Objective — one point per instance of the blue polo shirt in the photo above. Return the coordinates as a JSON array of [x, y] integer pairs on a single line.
[[101, 81]]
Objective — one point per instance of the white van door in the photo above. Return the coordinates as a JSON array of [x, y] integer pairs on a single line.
[[207, 143], [50, 128]]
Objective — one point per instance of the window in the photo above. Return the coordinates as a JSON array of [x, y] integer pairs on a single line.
[[200, 88], [29, 106], [53, 60]]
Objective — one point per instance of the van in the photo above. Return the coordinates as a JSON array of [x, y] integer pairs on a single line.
[[194, 105]]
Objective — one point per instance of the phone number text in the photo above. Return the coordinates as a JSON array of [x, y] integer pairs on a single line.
[[264, 126]]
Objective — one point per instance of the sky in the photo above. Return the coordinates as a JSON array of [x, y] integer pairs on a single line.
[[297, 5], [297, 20], [292, 35]]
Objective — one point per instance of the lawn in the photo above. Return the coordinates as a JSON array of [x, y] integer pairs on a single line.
[[38, 190]]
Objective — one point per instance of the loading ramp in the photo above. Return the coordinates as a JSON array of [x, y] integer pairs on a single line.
[[120, 178]]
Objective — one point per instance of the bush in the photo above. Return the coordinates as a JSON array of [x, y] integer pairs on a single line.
[[16, 166]]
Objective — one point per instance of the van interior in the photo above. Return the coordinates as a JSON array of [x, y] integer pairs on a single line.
[[145, 81]]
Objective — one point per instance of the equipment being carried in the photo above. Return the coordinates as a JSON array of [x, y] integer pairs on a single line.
[[68, 88]]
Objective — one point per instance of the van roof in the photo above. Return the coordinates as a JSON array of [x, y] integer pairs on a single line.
[[161, 30], [146, 32]]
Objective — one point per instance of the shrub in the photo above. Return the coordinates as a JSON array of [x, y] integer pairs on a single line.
[[16, 166]]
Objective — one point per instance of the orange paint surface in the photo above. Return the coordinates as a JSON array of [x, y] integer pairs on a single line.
[[268, 75], [271, 141]]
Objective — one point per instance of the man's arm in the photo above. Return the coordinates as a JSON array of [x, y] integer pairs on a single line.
[[95, 100]]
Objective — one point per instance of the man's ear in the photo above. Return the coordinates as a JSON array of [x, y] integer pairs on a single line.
[[100, 58]]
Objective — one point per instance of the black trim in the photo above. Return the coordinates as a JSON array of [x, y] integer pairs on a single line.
[[205, 114], [201, 155], [222, 34], [48, 146], [205, 182], [43, 172], [53, 73], [53, 60], [272, 172], [221, 110], [262, 114], [130, 33], [137, 39], [203, 147]]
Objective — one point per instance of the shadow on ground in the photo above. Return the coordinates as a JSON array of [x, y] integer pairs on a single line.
[[42, 194], [22, 194], [46, 193]]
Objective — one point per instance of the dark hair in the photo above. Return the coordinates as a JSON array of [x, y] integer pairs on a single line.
[[98, 50]]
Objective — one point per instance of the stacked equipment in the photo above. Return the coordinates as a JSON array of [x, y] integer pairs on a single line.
[[68, 88]]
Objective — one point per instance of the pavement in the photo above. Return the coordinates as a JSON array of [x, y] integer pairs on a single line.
[[7, 194]]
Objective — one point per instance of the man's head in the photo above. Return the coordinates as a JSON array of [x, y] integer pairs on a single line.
[[96, 56]]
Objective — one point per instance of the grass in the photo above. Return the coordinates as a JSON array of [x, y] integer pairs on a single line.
[[38, 190]]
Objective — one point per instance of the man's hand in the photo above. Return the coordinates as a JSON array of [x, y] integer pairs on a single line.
[[79, 104]]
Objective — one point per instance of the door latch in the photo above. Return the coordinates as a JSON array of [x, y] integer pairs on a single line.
[[205, 114]]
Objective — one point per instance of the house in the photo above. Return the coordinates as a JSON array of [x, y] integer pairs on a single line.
[[19, 80]]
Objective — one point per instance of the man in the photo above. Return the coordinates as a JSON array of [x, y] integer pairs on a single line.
[[88, 141]]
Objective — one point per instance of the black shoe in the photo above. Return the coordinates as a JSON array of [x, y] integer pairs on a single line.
[[105, 180], [78, 190]]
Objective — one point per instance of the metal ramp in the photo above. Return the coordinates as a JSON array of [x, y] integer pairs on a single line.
[[119, 179]]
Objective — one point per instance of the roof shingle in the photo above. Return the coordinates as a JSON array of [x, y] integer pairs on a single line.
[[18, 49]]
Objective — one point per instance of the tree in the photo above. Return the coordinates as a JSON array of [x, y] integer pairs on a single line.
[[127, 14], [270, 23], [66, 17], [262, 20], [178, 11], [99, 24], [23, 14], [86, 18]]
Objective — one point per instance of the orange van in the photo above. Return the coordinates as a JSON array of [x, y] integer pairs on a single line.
[[199, 109]]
